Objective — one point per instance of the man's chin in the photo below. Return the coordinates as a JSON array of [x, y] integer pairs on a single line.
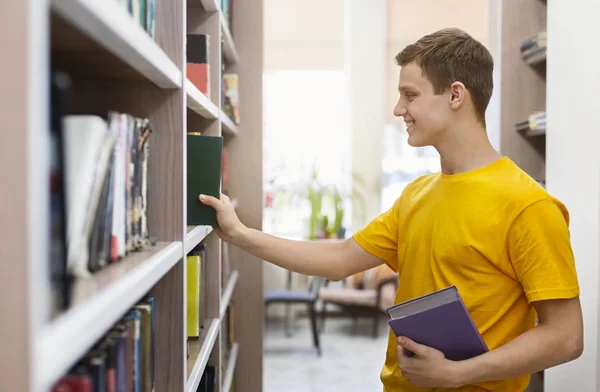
[[416, 142]]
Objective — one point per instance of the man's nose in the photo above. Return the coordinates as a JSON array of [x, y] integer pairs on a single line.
[[399, 110]]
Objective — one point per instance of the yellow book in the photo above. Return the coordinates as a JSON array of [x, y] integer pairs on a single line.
[[193, 295]]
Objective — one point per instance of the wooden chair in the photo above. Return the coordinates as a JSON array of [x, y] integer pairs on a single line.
[[367, 294]]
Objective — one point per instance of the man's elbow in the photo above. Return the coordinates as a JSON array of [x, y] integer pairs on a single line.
[[336, 276], [574, 347]]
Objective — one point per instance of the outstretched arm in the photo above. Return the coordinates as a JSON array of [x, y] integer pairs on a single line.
[[333, 260]]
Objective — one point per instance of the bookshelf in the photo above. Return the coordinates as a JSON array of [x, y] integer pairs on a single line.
[[523, 95], [116, 64], [523, 86]]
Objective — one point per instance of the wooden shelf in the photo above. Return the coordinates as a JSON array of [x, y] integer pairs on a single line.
[[199, 354], [228, 376], [229, 49], [228, 293], [110, 292], [199, 102], [533, 132], [229, 127], [113, 28], [195, 235]]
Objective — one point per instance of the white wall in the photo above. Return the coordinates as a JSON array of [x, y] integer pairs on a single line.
[[366, 65], [573, 163]]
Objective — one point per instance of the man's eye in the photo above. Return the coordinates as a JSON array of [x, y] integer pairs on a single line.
[[410, 97]]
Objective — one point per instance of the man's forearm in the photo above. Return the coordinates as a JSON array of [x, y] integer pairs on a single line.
[[535, 350], [306, 257]]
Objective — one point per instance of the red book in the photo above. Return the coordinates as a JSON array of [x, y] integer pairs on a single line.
[[197, 67]]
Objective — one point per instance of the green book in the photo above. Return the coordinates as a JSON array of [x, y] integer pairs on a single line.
[[204, 161]]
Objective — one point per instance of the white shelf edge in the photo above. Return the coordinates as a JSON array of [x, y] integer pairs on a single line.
[[228, 377], [199, 102], [113, 28], [65, 340], [209, 341], [196, 236], [228, 293], [229, 49], [229, 126]]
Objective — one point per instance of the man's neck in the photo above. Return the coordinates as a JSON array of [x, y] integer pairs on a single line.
[[466, 148]]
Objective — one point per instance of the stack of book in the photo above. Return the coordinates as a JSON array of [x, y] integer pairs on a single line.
[[106, 182], [143, 13], [533, 49], [534, 125], [123, 360]]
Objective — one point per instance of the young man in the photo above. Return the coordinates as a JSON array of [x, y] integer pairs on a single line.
[[481, 224]]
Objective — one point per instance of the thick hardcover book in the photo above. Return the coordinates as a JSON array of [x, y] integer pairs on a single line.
[[439, 320], [204, 160]]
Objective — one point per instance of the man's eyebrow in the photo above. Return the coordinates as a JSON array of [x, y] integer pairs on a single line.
[[406, 88]]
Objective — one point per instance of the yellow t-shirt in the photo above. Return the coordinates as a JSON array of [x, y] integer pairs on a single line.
[[495, 234]]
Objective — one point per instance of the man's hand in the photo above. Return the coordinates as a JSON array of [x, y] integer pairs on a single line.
[[230, 227], [427, 368]]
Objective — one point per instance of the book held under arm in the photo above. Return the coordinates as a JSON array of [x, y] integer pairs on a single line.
[[439, 320]]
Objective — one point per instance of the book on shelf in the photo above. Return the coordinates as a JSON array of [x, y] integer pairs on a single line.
[[60, 282], [535, 124], [143, 12], [225, 171], [123, 360], [106, 181], [196, 291], [533, 49], [204, 168], [227, 13], [197, 63], [208, 380], [193, 283], [439, 320], [231, 101], [225, 263]]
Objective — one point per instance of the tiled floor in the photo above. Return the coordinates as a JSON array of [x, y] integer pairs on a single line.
[[348, 363]]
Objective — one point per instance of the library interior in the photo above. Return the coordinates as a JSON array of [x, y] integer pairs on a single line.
[[115, 276]]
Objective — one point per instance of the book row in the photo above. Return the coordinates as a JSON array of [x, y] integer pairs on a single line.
[[198, 72], [98, 187], [533, 49], [122, 361], [143, 13], [535, 122], [196, 287]]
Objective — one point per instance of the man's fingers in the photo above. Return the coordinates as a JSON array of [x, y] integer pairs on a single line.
[[209, 200], [408, 344]]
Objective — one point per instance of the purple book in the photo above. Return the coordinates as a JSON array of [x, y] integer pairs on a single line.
[[439, 320]]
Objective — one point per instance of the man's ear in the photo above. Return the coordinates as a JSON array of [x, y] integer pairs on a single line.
[[458, 94]]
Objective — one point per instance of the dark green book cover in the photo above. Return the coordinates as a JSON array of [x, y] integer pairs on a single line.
[[204, 160]]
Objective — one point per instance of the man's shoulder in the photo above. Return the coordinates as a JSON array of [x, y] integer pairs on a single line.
[[421, 183]]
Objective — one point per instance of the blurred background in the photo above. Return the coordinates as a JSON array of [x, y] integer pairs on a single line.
[[329, 133]]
